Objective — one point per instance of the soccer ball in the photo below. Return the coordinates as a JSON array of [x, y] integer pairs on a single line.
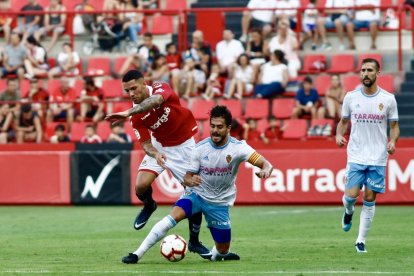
[[173, 248]]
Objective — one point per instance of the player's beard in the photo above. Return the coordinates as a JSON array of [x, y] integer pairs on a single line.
[[370, 83], [217, 138]]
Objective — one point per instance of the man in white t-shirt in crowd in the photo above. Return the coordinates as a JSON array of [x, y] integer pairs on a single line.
[[227, 51], [273, 76], [366, 18], [258, 18], [369, 108], [67, 62], [335, 19], [286, 9]]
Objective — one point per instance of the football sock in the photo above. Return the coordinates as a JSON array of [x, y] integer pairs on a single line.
[[349, 204], [194, 225], [157, 232], [216, 255], [146, 197], [367, 215]]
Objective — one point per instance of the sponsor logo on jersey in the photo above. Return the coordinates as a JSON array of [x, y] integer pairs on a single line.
[[162, 119], [137, 134], [368, 118], [228, 158], [159, 90], [381, 106], [145, 116], [206, 158], [217, 171]]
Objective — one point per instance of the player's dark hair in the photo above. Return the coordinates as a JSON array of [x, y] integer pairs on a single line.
[[132, 75], [223, 112], [373, 60]]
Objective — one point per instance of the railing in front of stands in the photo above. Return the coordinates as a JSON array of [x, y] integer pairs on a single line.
[[182, 31]]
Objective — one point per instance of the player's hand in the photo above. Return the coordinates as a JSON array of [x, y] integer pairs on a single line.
[[265, 173], [340, 140], [117, 117], [391, 147], [191, 181], [161, 159]]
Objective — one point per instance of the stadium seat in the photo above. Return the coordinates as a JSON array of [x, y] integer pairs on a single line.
[[234, 106], [176, 4], [201, 108], [184, 103], [262, 124], [103, 130], [322, 123], [386, 81], [52, 85], [99, 66], [162, 24], [112, 88], [351, 82], [363, 56], [206, 129], [322, 84], [282, 108], [79, 86], [295, 129], [130, 131], [77, 131], [342, 63], [121, 106], [313, 64], [70, 4], [256, 108], [50, 129]]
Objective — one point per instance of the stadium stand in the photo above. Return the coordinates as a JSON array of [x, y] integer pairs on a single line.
[[295, 129]]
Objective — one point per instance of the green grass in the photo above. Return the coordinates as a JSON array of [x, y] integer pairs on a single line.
[[270, 240]]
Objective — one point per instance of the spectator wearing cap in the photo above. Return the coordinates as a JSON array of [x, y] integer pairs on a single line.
[[28, 127], [92, 105], [307, 100]]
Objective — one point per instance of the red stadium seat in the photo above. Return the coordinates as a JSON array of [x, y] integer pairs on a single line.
[[52, 85], [282, 108], [363, 56], [113, 88], [322, 84], [77, 131], [295, 129], [262, 125], [121, 106], [176, 4], [322, 123], [184, 103], [130, 131], [206, 129], [50, 129], [342, 63], [99, 66], [313, 64], [103, 130], [162, 25], [256, 108], [70, 4], [386, 82], [79, 86], [201, 108], [234, 106], [351, 82]]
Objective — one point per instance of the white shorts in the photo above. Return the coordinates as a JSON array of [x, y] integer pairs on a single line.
[[178, 159]]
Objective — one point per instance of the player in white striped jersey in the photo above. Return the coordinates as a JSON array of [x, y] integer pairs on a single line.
[[370, 109], [210, 187]]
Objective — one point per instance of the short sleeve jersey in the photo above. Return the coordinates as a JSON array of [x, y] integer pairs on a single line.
[[218, 168], [369, 115], [171, 124]]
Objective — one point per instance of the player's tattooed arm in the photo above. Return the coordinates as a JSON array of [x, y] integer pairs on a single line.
[[151, 151], [149, 103]]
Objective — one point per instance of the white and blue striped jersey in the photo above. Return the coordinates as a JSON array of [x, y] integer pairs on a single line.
[[369, 115], [217, 167]]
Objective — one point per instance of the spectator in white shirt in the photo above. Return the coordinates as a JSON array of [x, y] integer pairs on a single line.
[[67, 62], [273, 77], [227, 51], [243, 78], [335, 19], [367, 18], [258, 18], [286, 9], [288, 44]]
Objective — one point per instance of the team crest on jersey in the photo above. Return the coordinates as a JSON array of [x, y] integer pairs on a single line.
[[381, 106], [228, 158]]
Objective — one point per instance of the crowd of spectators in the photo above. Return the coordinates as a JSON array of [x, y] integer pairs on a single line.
[[263, 63]]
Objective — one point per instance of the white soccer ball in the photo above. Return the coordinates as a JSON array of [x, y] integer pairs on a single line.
[[173, 248]]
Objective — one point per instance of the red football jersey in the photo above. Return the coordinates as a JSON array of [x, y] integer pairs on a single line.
[[171, 124]]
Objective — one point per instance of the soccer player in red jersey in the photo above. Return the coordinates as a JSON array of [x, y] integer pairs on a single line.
[[157, 110]]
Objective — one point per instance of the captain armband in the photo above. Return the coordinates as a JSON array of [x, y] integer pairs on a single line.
[[254, 158]]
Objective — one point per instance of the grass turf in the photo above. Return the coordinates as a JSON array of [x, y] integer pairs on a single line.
[[270, 240]]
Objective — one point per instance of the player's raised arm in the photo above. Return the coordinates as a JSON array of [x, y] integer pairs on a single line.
[[260, 162]]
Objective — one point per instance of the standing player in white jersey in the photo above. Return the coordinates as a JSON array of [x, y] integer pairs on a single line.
[[369, 109], [165, 130], [210, 187]]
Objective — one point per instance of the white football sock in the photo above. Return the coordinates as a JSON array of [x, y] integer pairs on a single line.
[[216, 255], [367, 215], [349, 204], [159, 230]]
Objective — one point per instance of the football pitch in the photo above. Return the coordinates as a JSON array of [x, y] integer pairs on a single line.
[[298, 240]]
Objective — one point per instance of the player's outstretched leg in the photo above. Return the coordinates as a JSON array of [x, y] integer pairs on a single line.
[[367, 215], [149, 207], [229, 256], [194, 244], [349, 204]]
